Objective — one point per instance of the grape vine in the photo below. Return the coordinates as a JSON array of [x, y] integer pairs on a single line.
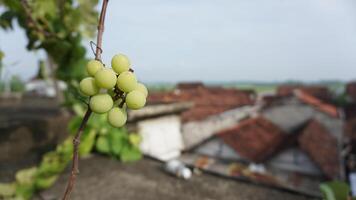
[[57, 27], [120, 90]]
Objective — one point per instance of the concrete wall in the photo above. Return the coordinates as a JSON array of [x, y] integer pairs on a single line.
[[162, 137]]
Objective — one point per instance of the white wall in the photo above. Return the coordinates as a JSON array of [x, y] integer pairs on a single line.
[[162, 138]]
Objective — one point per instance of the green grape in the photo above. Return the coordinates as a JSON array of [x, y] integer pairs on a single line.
[[142, 88], [117, 117], [101, 103], [88, 87], [105, 78], [120, 63], [126, 81], [94, 66], [135, 100]]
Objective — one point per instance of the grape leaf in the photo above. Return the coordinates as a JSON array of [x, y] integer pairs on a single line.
[[130, 153], [117, 141], [7, 189], [87, 142], [26, 176], [103, 145], [45, 182]]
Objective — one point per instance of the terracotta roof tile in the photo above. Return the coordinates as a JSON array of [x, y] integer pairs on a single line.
[[190, 85], [207, 100], [255, 139], [317, 103], [321, 146], [320, 92]]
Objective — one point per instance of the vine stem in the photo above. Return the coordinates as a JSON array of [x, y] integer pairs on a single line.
[[76, 140]]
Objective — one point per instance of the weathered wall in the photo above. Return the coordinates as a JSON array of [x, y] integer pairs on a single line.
[[161, 137], [198, 131]]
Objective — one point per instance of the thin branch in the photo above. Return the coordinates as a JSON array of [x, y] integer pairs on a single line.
[[76, 140], [99, 39]]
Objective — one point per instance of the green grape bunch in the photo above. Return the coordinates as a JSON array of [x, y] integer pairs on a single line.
[[113, 90]]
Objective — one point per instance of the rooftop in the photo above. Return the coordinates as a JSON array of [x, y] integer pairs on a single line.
[[207, 100], [317, 103], [255, 139], [322, 147], [146, 180], [320, 92]]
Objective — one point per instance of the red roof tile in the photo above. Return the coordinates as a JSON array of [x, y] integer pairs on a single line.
[[255, 139], [189, 85], [207, 100], [317, 103], [320, 92], [322, 147]]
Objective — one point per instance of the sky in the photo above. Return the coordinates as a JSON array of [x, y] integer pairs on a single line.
[[225, 40]]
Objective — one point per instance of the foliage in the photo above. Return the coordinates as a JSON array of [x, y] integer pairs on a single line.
[[2, 55], [16, 84], [57, 27], [98, 136], [334, 190], [106, 139], [2, 84]]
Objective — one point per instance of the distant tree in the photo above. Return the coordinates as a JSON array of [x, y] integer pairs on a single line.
[[16, 84]]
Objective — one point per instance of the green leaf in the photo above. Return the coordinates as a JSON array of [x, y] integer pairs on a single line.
[[66, 148], [117, 141], [87, 142], [78, 109], [26, 176], [2, 55], [103, 145], [6, 19], [74, 124], [52, 163], [7, 189], [25, 191], [44, 8], [45, 182], [130, 153]]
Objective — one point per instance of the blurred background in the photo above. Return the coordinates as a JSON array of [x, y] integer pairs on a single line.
[[247, 99]]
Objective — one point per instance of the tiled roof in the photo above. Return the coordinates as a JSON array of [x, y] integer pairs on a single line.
[[207, 100], [255, 139], [351, 90], [322, 147], [320, 92], [272, 99], [190, 85], [317, 103]]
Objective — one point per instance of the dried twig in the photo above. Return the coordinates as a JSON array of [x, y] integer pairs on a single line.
[[76, 140]]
